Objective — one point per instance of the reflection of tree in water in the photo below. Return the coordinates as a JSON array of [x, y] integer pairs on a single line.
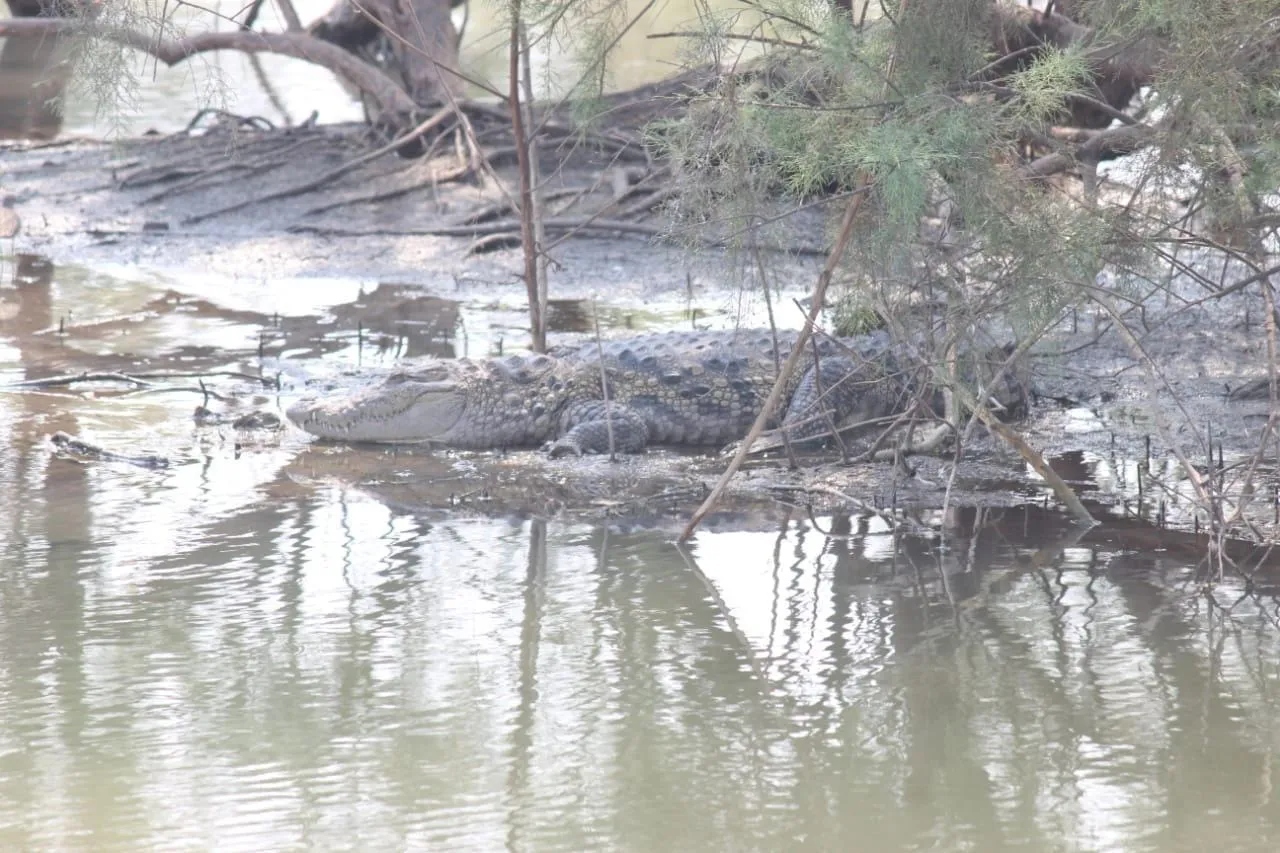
[[32, 78], [554, 683], [399, 318], [403, 318], [972, 709]]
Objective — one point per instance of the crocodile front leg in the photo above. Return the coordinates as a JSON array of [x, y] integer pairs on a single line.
[[587, 425]]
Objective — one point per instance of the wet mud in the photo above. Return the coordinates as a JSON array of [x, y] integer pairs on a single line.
[[299, 307]]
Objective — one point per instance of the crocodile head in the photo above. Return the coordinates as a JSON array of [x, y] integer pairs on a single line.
[[428, 404]]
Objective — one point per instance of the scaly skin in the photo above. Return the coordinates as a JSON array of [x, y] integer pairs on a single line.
[[683, 388]]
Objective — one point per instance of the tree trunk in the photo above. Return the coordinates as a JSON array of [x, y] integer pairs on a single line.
[[414, 40]]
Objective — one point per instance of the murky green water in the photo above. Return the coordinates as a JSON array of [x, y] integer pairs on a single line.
[[237, 654]]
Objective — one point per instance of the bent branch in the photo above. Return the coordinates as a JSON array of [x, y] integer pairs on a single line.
[[384, 92]]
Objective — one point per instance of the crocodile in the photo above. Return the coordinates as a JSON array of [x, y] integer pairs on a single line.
[[676, 388]]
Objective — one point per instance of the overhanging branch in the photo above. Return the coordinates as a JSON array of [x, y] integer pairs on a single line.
[[384, 92]]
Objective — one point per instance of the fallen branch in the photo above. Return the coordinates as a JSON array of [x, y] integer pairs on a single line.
[[434, 179], [513, 228], [491, 212], [895, 522], [773, 439], [1100, 145], [481, 229], [72, 379], [274, 159], [435, 120]]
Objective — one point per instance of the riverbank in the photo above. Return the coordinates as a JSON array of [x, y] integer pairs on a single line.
[[183, 208]]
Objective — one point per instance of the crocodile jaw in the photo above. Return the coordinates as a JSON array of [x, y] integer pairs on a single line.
[[402, 409]]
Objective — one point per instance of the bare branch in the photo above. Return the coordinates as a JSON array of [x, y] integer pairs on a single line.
[[388, 96]]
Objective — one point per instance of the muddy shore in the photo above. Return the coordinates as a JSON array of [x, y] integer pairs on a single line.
[[145, 205]]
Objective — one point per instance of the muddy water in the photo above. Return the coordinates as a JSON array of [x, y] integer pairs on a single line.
[[234, 653]]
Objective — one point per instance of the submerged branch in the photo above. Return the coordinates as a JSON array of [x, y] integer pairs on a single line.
[[81, 448]]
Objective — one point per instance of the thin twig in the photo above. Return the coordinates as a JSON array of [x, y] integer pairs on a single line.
[[679, 34], [604, 382], [535, 210], [775, 394], [525, 150]]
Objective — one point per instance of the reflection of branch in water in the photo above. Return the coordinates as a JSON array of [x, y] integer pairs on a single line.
[[530, 637], [895, 522], [995, 577], [725, 612], [139, 379]]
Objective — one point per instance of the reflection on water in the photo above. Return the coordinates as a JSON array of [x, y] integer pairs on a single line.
[[286, 91], [31, 78], [221, 655]]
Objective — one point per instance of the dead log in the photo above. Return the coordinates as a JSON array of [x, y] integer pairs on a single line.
[[1017, 31], [1099, 145]]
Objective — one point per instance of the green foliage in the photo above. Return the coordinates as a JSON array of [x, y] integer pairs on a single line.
[[104, 71], [937, 43], [110, 75], [585, 31], [921, 104], [1044, 86], [851, 317]]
